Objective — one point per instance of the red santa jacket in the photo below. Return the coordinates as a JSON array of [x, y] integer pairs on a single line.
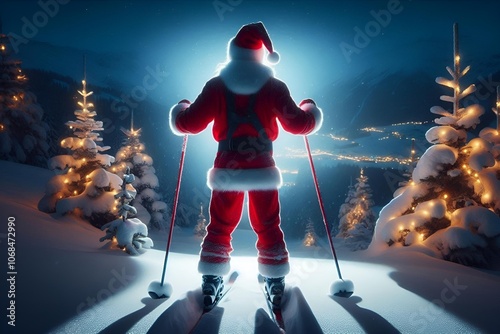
[[248, 165]]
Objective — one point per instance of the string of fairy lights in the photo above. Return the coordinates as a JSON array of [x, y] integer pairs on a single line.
[[337, 155], [15, 99]]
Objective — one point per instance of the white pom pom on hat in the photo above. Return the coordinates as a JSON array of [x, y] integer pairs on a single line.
[[248, 42], [273, 57]]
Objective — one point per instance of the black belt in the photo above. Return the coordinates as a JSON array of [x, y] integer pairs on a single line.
[[245, 143]]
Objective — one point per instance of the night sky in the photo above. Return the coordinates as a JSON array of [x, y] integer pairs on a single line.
[[328, 49], [189, 37]]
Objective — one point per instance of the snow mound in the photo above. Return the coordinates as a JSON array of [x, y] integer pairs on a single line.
[[433, 160], [491, 135], [454, 238], [444, 135], [141, 158], [424, 212], [477, 219], [130, 234], [480, 155], [470, 116], [489, 187]]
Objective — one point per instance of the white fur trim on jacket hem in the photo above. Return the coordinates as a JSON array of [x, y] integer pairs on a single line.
[[244, 179], [209, 268], [174, 111], [317, 113], [274, 270]]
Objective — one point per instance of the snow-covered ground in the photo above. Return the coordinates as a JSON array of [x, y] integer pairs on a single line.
[[69, 282]]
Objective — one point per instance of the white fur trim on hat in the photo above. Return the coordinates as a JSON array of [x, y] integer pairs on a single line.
[[317, 113], [174, 111], [235, 52], [226, 179], [274, 270]]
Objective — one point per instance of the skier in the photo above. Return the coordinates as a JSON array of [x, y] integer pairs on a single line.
[[245, 102]]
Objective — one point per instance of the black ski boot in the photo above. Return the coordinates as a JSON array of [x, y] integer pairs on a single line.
[[211, 287], [275, 288]]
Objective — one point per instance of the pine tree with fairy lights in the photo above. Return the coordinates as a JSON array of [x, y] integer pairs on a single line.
[[357, 224], [311, 237], [23, 132], [200, 229], [452, 204], [82, 185], [149, 203]]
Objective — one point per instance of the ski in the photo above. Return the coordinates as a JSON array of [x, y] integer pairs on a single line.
[[227, 287], [274, 311]]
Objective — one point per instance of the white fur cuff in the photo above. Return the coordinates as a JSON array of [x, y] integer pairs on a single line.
[[274, 270], [317, 113], [174, 111], [226, 179], [217, 269]]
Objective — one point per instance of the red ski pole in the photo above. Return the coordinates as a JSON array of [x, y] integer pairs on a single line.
[[342, 288], [158, 289]]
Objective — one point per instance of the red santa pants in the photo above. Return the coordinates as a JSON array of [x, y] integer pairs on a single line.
[[225, 213]]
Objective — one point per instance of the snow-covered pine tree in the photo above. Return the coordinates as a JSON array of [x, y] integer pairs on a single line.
[[407, 172], [311, 237], [23, 132], [357, 224], [81, 184], [151, 208], [344, 210], [453, 202], [130, 234], [200, 230]]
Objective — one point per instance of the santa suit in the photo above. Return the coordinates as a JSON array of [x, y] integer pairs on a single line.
[[245, 103]]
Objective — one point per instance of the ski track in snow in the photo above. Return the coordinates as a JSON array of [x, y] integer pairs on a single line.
[[69, 282]]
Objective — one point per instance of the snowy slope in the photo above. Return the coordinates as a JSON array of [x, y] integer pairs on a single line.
[[68, 282]]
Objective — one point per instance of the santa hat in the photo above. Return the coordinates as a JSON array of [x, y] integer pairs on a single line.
[[248, 44]]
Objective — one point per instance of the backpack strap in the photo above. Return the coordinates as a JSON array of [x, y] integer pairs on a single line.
[[261, 143]]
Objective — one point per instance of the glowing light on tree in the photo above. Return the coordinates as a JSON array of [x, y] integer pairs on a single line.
[[152, 209], [452, 206], [357, 220], [23, 131], [200, 229], [81, 183], [311, 237]]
